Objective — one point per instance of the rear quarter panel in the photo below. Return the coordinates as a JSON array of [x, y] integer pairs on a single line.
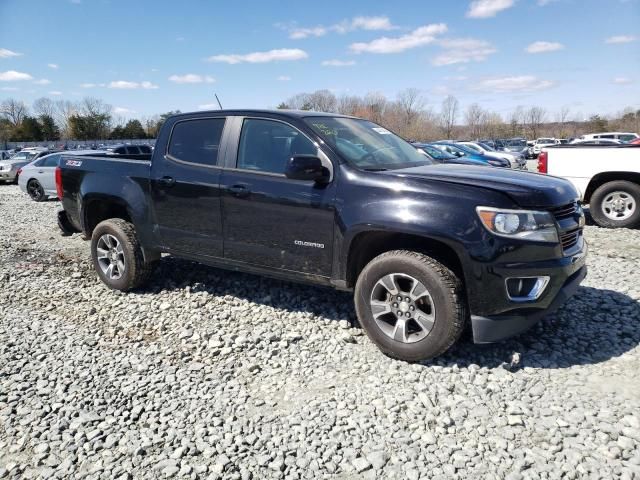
[[101, 179]]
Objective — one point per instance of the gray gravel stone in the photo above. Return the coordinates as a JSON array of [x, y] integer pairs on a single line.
[[213, 374]]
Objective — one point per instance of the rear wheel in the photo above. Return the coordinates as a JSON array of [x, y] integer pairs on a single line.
[[411, 306], [616, 205], [117, 255], [35, 190]]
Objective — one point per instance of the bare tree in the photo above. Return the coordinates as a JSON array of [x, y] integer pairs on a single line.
[[561, 120], [492, 125], [534, 118], [375, 105], [516, 122], [448, 115], [14, 110], [65, 109], [349, 105], [474, 118], [411, 102], [44, 106], [323, 101]]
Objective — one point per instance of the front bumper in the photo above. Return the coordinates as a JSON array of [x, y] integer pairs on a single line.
[[493, 328], [7, 176]]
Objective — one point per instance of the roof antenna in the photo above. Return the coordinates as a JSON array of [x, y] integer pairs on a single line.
[[218, 100]]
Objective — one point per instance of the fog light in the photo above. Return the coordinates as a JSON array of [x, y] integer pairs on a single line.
[[526, 289]]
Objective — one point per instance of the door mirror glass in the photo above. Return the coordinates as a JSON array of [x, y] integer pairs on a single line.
[[306, 167]]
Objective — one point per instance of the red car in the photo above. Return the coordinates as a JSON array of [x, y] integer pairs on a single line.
[[635, 142]]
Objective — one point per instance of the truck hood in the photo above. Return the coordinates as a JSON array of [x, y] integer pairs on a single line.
[[525, 188]]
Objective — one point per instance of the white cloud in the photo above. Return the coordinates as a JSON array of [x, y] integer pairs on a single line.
[[9, 89], [53, 65], [463, 50], [338, 63], [88, 85], [487, 8], [542, 47], [13, 76], [364, 23], [356, 23], [622, 81], [282, 54], [209, 106], [42, 81], [55, 92], [417, 38], [123, 84], [123, 110], [284, 78], [621, 39], [518, 83], [4, 53], [299, 33], [191, 78]]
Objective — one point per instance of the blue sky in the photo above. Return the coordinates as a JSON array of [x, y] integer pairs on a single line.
[[145, 57]]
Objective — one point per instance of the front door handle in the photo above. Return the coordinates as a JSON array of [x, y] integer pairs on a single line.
[[239, 191], [167, 182]]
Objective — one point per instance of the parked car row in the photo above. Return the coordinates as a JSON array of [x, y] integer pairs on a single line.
[[472, 153]]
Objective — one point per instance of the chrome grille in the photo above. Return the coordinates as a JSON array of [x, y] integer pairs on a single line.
[[570, 239], [564, 211]]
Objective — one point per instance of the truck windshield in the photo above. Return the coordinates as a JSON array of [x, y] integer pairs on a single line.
[[366, 145]]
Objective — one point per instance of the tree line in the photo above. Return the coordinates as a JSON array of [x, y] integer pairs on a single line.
[[88, 119], [408, 114]]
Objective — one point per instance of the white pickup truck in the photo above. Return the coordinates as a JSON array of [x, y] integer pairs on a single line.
[[607, 177]]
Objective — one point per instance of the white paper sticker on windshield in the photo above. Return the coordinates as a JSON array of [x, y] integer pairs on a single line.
[[381, 131]]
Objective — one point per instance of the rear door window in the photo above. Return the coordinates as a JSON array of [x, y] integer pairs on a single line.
[[196, 141], [51, 161]]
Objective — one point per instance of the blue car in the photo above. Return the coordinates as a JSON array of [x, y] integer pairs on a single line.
[[467, 153], [442, 156]]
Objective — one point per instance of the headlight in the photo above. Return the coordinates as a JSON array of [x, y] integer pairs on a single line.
[[524, 224]]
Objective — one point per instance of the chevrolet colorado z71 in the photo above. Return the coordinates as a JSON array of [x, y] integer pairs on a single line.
[[336, 201]]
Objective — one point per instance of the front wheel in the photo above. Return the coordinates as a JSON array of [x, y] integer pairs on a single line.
[[411, 306], [117, 255], [616, 205]]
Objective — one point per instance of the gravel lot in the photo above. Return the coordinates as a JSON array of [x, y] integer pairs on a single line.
[[210, 374]]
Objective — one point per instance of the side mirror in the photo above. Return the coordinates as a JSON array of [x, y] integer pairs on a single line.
[[458, 154], [306, 167]]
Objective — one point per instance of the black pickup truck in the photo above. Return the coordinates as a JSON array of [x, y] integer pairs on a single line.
[[342, 202]]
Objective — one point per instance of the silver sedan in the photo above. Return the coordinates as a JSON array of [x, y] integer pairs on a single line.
[[38, 178]]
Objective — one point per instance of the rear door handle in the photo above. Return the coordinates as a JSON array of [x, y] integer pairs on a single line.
[[40, 171], [167, 182], [239, 191]]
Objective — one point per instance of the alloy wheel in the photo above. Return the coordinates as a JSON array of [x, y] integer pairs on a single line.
[[110, 256], [402, 307]]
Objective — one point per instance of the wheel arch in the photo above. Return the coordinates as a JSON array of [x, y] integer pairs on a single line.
[[605, 177], [367, 245]]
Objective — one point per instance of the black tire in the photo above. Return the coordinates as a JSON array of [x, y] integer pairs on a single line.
[[35, 190], [600, 195], [447, 294], [136, 271]]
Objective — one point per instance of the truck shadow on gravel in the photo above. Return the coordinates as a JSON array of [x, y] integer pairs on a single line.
[[594, 326]]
